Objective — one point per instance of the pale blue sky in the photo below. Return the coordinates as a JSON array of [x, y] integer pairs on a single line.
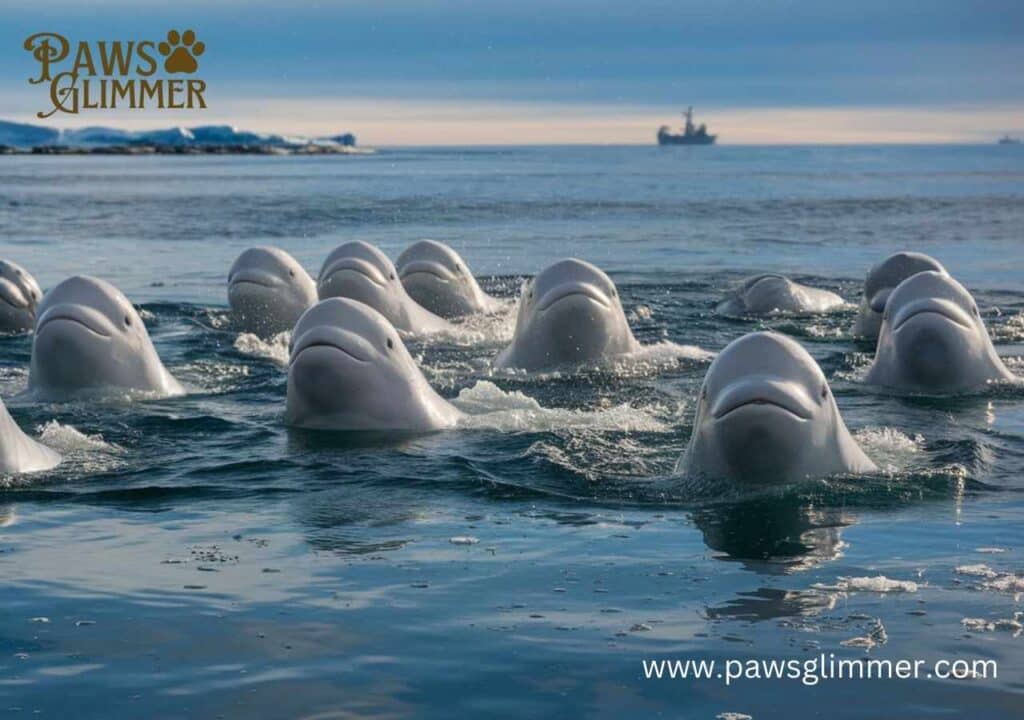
[[419, 71]]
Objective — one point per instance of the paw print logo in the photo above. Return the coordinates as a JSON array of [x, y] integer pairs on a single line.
[[181, 52]]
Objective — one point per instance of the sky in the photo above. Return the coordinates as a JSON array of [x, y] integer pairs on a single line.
[[409, 72]]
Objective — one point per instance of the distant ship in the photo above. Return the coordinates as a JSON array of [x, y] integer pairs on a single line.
[[1007, 140], [691, 135]]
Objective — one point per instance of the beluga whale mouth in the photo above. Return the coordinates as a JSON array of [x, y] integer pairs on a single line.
[[354, 266], [426, 267], [584, 291], [85, 318], [932, 307], [763, 392]]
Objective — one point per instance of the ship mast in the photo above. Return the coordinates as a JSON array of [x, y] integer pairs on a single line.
[[688, 130]]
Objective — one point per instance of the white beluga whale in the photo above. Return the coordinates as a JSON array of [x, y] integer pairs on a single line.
[[933, 340], [19, 297], [349, 370], [18, 452], [268, 290], [766, 414], [769, 294], [569, 314], [881, 280], [437, 278], [89, 338], [360, 271]]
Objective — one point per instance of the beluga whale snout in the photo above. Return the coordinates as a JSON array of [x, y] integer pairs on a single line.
[[881, 280], [770, 293], [569, 314], [933, 340], [766, 414], [19, 298], [437, 277], [268, 290], [360, 271], [89, 337], [349, 370]]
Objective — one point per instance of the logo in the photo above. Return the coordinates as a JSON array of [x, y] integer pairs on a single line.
[[109, 75]]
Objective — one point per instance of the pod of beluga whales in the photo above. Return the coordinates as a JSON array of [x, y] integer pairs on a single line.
[[765, 407]]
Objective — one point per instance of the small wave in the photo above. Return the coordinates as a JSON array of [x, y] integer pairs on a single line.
[[274, 349], [487, 329], [652, 359], [891, 449], [488, 407], [67, 440]]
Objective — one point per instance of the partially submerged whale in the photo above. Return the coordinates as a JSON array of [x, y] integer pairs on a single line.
[[18, 452], [349, 370], [88, 337], [881, 280], [437, 278], [766, 414], [268, 290], [570, 313], [360, 271], [19, 297], [769, 293], [933, 340]]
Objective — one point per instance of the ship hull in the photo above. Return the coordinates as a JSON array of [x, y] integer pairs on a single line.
[[668, 139]]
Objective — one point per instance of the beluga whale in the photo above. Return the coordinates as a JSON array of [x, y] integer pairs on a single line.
[[766, 414], [18, 452], [268, 290], [933, 340], [881, 280], [89, 338], [349, 370], [770, 294], [569, 314], [437, 278], [360, 271], [19, 297]]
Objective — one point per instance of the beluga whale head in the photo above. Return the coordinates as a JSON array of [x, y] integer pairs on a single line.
[[89, 337], [881, 280], [19, 297], [268, 290], [437, 278], [766, 414], [360, 271], [933, 340], [569, 314], [349, 370]]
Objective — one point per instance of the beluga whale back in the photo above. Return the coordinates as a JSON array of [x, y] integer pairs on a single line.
[[89, 337], [770, 293], [766, 414], [18, 452], [360, 271], [569, 314]]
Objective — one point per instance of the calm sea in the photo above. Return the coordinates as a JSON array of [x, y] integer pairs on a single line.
[[195, 558]]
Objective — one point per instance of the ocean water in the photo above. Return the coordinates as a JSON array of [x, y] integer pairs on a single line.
[[193, 557]]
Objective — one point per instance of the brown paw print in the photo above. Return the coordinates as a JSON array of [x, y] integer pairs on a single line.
[[183, 51]]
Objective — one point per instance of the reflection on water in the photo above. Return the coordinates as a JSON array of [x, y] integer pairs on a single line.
[[772, 535]]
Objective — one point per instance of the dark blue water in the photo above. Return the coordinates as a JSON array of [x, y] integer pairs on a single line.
[[195, 558]]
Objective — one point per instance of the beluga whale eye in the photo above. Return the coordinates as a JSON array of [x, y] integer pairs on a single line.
[[391, 344], [128, 320], [291, 272], [391, 276], [824, 390], [974, 310]]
